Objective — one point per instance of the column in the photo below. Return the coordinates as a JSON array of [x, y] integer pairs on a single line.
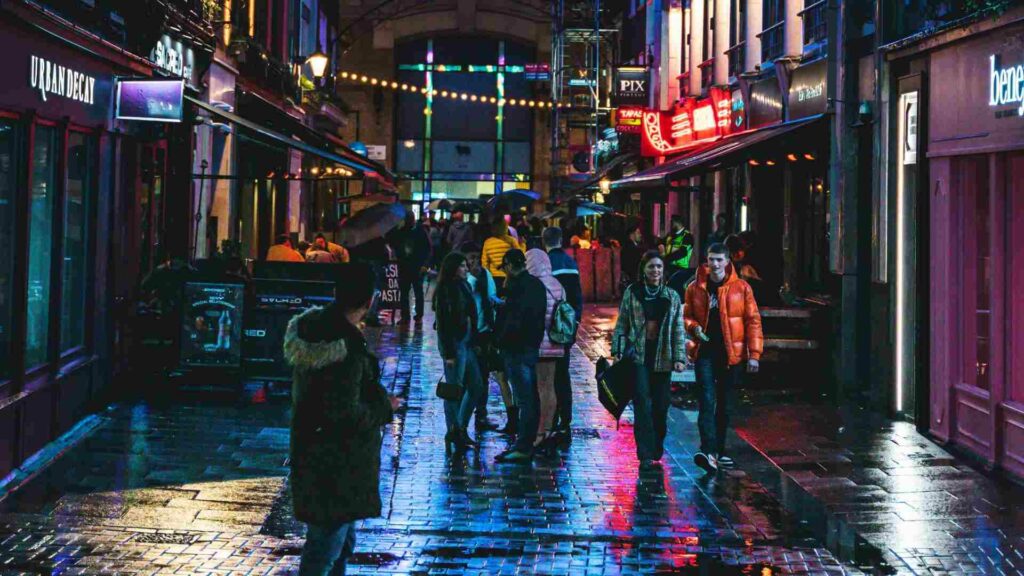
[[793, 44], [696, 43], [723, 20], [755, 19]]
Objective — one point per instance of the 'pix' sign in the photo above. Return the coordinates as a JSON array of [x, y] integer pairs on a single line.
[[631, 86]]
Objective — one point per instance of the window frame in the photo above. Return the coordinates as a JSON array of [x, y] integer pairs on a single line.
[[89, 224]]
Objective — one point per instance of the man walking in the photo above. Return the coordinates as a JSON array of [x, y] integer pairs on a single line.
[[724, 326], [519, 335], [678, 248], [412, 247], [567, 272]]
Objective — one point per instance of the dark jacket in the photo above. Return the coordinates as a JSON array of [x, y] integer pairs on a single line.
[[412, 247], [338, 408], [459, 234], [521, 320], [455, 312], [630, 257], [567, 272]]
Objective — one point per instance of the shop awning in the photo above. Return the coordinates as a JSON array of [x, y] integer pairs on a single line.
[[354, 162], [727, 150]]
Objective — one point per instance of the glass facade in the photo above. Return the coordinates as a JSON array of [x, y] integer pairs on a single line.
[[77, 199], [449, 146], [8, 173], [40, 248]]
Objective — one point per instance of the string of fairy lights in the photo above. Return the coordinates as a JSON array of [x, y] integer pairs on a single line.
[[449, 94]]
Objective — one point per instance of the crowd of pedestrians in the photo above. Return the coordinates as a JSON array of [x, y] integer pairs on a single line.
[[508, 308]]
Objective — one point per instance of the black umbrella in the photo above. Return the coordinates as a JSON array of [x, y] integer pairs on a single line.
[[440, 205], [467, 207], [513, 200], [371, 223]]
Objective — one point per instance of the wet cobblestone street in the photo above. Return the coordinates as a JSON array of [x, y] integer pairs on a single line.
[[198, 486]]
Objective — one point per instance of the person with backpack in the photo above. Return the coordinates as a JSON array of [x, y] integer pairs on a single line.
[[567, 272], [649, 331], [539, 266]]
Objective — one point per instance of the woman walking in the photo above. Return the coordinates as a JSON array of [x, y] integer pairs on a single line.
[[650, 331], [495, 248], [539, 266], [456, 316]]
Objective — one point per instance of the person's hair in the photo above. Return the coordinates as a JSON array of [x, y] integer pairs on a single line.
[[282, 238], [320, 235], [499, 227], [355, 286], [733, 243], [630, 230], [676, 218], [647, 257], [447, 290], [552, 237], [719, 248]]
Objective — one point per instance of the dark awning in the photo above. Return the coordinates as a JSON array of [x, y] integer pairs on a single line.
[[726, 151], [354, 161]]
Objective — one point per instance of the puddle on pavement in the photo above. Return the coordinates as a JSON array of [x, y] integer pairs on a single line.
[[375, 559], [706, 565]]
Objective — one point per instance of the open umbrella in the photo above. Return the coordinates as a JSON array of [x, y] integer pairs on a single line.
[[513, 200], [371, 223], [467, 207], [436, 205], [592, 209]]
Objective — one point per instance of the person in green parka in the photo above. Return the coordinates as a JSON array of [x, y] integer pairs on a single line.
[[338, 409]]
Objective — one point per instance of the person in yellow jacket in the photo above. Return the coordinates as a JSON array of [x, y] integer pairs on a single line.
[[494, 251], [283, 251]]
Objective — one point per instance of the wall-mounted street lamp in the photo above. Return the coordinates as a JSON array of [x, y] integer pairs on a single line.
[[318, 64]]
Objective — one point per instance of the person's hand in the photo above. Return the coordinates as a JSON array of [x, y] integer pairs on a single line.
[[396, 403], [678, 367], [699, 333], [753, 366]]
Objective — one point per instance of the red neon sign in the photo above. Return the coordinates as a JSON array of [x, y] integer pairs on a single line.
[[629, 119]]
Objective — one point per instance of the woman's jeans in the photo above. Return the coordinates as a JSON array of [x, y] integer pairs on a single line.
[[465, 371], [327, 549], [717, 382], [521, 371], [650, 410], [546, 395]]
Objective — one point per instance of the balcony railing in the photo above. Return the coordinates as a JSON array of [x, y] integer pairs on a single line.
[[737, 59], [772, 41], [707, 76], [815, 25]]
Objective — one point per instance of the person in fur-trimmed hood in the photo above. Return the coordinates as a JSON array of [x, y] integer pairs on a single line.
[[338, 409]]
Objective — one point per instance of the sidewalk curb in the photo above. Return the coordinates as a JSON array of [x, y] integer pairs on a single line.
[[50, 453], [836, 533]]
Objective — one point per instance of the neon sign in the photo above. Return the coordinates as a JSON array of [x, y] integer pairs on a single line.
[[704, 118], [1006, 85]]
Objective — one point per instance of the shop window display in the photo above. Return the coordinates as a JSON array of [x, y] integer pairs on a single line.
[[44, 179], [80, 193]]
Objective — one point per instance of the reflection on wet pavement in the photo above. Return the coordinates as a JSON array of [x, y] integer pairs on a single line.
[[199, 487]]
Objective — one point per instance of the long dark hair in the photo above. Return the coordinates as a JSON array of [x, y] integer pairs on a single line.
[[449, 296]]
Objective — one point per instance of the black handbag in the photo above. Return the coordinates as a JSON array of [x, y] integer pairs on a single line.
[[449, 391], [616, 385]]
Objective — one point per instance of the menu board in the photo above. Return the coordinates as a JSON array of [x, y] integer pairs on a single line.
[[390, 295], [211, 330]]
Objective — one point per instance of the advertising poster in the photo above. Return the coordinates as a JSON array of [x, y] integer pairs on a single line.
[[211, 331], [390, 296], [275, 302], [150, 100]]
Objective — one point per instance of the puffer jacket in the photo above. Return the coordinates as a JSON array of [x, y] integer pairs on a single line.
[[338, 408], [741, 321], [629, 328], [539, 266]]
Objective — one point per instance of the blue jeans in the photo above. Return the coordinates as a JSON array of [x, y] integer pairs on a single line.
[[563, 388], [521, 371], [717, 382], [650, 411], [327, 549], [465, 371]]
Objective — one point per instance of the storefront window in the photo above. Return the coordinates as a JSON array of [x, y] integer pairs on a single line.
[[973, 176], [80, 192], [7, 186], [44, 178]]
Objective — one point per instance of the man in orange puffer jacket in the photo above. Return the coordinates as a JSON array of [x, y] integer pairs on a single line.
[[724, 329]]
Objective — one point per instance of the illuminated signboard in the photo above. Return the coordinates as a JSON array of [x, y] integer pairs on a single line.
[[1005, 87], [631, 85], [629, 120], [149, 100], [537, 72], [692, 122], [738, 112]]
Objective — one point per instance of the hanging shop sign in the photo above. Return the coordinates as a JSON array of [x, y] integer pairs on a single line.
[[537, 72], [690, 123], [631, 86], [765, 104], [908, 127], [175, 57], [629, 120], [1005, 87], [808, 90], [376, 152], [149, 100], [737, 112], [52, 78]]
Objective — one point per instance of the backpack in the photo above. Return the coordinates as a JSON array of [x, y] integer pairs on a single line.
[[563, 323]]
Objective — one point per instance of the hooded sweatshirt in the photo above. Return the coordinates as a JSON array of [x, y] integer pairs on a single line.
[[539, 266]]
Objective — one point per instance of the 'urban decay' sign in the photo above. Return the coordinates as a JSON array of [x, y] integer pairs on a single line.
[[1006, 87], [53, 79]]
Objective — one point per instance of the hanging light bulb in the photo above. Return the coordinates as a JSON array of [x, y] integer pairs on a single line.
[[473, 97], [364, 79], [344, 75], [444, 93], [464, 96]]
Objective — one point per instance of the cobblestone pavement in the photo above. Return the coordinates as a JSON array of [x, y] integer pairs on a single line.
[[198, 486]]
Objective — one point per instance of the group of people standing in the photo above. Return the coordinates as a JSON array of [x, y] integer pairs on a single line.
[[504, 309]]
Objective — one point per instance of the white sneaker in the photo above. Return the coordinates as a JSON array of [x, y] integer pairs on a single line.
[[725, 461], [707, 462]]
